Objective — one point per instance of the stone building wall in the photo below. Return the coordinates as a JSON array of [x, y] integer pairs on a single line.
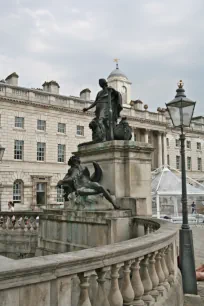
[[54, 108]]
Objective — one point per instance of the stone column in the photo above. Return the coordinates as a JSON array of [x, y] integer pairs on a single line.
[[146, 136], [164, 150], [133, 134], [1, 190], [159, 146]]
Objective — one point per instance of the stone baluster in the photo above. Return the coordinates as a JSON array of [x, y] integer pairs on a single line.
[[165, 269], [84, 292], [28, 225], [137, 284], [101, 297], [10, 224], [150, 229], [16, 225], [146, 229], [4, 225], [115, 297], [147, 283], [22, 224], [127, 290], [160, 274], [153, 275], [34, 225], [170, 264]]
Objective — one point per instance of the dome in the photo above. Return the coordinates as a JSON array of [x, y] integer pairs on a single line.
[[117, 73]]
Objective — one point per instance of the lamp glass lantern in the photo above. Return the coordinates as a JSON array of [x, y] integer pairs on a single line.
[[181, 109], [2, 150]]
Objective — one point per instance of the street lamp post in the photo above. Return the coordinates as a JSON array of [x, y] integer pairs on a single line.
[[181, 112]]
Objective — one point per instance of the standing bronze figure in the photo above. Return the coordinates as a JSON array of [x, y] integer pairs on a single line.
[[108, 105]]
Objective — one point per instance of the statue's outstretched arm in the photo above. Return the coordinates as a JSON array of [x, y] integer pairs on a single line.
[[91, 106]]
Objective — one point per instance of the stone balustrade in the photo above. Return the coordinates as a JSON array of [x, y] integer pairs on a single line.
[[140, 271], [18, 234], [21, 220]]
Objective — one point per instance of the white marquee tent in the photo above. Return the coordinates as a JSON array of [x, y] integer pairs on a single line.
[[166, 183]]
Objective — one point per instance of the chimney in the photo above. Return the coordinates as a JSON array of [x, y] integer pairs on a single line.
[[51, 86], [12, 79], [85, 94], [137, 104]]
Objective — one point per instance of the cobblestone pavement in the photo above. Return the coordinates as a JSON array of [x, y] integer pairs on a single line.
[[198, 240]]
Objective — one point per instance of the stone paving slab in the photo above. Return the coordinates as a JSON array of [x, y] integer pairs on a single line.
[[198, 241], [192, 300]]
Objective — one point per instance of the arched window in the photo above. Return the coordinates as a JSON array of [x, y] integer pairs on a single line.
[[18, 191], [124, 94], [60, 193]]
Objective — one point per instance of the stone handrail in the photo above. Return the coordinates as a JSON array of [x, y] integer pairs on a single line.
[[139, 271], [19, 220]]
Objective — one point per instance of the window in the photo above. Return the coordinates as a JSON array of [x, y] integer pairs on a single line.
[[199, 164], [177, 162], [124, 94], [188, 144], [41, 151], [188, 163], [61, 128], [167, 142], [149, 139], [61, 153], [80, 130], [198, 146], [41, 125], [41, 193], [19, 122], [60, 194], [177, 142], [168, 160], [18, 149], [18, 191]]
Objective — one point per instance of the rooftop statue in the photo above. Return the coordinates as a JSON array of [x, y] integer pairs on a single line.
[[79, 181], [108, 105]]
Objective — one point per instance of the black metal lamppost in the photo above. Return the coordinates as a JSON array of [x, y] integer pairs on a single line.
[[181, 112]]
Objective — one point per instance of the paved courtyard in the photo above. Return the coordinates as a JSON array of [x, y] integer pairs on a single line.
[[198, 239]]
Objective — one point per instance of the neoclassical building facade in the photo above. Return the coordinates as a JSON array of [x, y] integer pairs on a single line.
[[40, 128]]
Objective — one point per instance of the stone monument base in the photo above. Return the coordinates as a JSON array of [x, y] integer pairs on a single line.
[[126, 167], [90, 203], [72, 230]]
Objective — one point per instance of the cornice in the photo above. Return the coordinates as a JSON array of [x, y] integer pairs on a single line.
[[73, 110], [46, 106]]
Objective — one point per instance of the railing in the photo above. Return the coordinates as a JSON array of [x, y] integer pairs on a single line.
[[20, 220], [36, 95], [139, 271]]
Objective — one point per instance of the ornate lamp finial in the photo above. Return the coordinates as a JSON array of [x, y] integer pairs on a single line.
[[116, 61], [180, 84]]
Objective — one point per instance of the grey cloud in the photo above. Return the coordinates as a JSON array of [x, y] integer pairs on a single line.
[[74, 42]]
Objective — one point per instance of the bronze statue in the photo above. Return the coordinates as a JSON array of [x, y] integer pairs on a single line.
[[108, 105], [104, 126], [79, 180]]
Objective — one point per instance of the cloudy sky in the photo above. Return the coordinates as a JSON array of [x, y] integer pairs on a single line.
[[158, 42]]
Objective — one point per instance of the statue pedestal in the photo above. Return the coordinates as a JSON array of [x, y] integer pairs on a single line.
[[126, 167], [88, 203]]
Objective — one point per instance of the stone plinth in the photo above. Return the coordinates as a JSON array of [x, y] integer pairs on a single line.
[[126, 169], [70, 230]]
